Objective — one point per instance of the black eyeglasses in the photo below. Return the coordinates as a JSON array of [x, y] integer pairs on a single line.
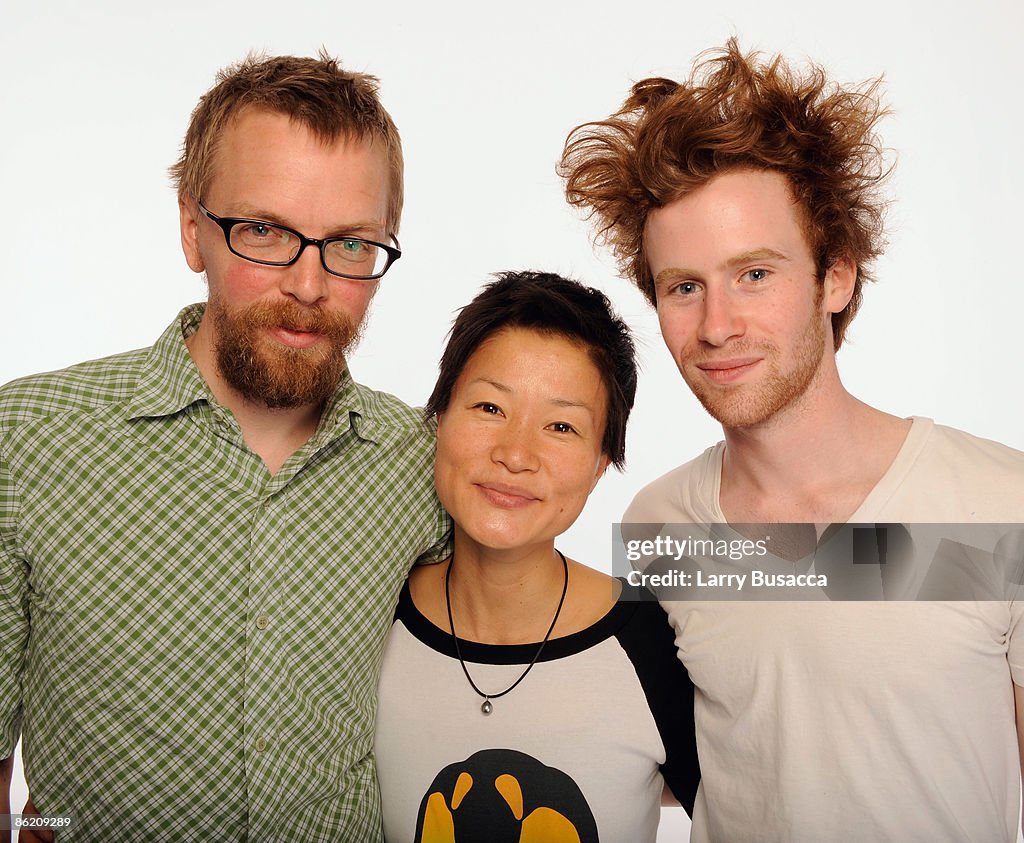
[[264, 242]]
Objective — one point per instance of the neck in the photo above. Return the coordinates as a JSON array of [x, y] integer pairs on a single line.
[[504, 597], [272, 434], [815, 460]]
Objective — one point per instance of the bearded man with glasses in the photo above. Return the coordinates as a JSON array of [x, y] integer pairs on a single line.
[[203, 541]]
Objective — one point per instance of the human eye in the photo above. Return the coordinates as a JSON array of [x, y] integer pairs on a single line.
[[686, 289], [488, 408], [562, 427], [756, 276], [259, 230], [353, 249], [261, 235]]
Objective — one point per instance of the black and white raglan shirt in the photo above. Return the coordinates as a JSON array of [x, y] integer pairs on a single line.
[[579, 750]]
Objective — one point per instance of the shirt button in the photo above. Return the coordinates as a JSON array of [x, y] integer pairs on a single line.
[[260, 745], [262, 622]]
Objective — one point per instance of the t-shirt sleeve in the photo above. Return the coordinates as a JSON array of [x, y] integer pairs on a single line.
[[649, 642]]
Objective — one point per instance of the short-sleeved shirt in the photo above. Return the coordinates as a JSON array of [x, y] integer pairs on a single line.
[[858, 721], [190, 645], [579, 750]]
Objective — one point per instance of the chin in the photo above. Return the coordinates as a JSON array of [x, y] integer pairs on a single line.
[[496, 536], [735, 414], [741, 405], [497, 541]]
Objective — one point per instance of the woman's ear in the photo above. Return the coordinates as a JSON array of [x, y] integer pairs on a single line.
[[602, 467]]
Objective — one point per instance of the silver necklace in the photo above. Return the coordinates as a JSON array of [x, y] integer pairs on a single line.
[[488, 706]]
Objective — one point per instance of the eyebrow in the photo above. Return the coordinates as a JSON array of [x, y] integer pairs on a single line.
[[373, 228], [565, 402], [558, 402], [496, 384], [751, 256], [761, 254]]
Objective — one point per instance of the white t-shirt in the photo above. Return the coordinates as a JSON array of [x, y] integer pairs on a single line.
[[857, 721], [580, 750]]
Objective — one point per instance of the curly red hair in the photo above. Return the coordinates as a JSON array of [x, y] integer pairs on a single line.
[[736, 111]]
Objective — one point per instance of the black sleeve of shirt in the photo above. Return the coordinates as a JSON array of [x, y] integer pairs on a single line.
[[649, 641]]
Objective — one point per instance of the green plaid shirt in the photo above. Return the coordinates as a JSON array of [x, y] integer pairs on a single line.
[[190, 646]]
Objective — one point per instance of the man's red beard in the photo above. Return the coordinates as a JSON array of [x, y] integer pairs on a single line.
[[272, 374]]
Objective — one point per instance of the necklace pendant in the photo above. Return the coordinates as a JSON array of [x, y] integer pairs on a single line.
[[487, 706]]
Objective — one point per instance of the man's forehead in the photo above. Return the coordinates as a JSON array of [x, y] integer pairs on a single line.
[[734, 217], [254, 128], [270, 168], [742, 188], [266, 144], [258, 113]]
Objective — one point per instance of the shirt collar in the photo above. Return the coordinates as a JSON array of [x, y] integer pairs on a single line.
[[170, 382], [359, 409]]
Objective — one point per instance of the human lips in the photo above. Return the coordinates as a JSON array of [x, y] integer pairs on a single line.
[[295, 337], [506, 496], [728, 370], [295, 326]]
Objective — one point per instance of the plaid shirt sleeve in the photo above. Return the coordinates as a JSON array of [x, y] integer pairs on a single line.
[[13, 614]]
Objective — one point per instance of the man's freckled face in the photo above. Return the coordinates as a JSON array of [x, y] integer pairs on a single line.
[[739, 301]]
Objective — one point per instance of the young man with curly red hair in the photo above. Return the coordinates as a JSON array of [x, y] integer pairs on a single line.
[[745, 203]]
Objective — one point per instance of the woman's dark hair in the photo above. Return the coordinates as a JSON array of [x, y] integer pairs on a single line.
[[549, 304]]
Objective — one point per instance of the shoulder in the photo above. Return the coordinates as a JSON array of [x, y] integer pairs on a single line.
[[647, 630], [962, 459], [388, 408], [686, 493], [968, 449], [951, 475], [82, 387], [387, 412], [396, 431]]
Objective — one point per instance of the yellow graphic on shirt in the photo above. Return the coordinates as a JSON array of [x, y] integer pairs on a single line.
[[499, 795]]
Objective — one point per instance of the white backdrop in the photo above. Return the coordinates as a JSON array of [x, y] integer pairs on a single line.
[[97, 96]]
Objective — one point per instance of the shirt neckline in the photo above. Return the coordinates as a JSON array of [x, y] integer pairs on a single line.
[[441, 641], [170, 382], [887, 484]]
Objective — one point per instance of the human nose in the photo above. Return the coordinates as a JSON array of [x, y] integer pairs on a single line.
[[515, 449], [306, 279], [720, 318]]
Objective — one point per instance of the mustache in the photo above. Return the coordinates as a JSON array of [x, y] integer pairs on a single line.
[[296, 317], [740, 348]]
